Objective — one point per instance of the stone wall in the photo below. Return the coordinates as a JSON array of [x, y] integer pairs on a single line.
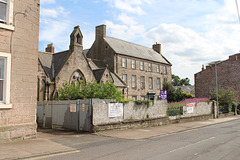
[[131, 111], [135, 116], [227, 76], [19, 122]]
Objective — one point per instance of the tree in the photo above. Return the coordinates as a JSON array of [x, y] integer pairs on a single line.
[[226, 99], [177, 81], [175, 95], [85, 90]]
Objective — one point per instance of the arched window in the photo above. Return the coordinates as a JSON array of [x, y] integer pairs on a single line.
[[76, 76], [78, 39]]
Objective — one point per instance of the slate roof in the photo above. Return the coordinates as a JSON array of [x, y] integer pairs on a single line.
[[46, 62], [58, 59], [134, 50], [98, 74]]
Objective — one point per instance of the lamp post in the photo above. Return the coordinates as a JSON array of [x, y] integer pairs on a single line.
[[216, 90]]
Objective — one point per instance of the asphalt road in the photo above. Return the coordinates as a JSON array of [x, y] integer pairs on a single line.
[[217, 142]]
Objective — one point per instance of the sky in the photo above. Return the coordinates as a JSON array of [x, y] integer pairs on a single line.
[[192, 32]]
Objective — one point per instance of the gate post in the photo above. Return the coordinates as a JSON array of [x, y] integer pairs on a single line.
[[78, 114]]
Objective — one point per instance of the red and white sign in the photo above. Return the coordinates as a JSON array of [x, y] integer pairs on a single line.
[[190, 108]]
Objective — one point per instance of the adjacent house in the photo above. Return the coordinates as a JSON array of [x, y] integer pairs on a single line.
[[137, 71], [19, 29], [227, 76]]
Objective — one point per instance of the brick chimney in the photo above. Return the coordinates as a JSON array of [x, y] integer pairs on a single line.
[[50, 48], [101, 31], [157, 47], [202, 67]]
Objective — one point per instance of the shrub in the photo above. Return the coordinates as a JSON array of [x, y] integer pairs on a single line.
[[146, 102], [175, 95], [175, 111], [85, 90], [226, 99]]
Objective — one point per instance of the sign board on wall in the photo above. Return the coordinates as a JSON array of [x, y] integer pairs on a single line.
[[190, 108], [163, 95], [115, 110]]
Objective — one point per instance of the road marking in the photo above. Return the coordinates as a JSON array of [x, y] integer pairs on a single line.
[[144, 130], [191, 145], [53, 155]]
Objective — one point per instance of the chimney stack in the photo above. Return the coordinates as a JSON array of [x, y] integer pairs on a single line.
[[157, 47], [202, 67], [101, 31], [50, 48]]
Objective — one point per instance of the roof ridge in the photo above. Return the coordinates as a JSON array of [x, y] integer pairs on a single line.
[[131, 43], [61, 52], [45, 52]]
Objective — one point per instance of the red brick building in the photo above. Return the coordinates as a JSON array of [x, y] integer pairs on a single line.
[[227, 76]]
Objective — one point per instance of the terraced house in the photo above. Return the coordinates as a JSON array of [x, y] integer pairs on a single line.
[[19, 28], [137, 71]]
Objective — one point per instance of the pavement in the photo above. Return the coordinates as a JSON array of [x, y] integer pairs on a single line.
[[46, 143]]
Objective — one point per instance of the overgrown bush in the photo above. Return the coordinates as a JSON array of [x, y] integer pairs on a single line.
[[85, 90], [175, 95], [175, 111], [227, 99], [146, 102]]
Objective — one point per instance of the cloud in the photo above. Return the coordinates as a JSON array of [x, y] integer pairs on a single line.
[[124, 31], [133, 6], [53, 13], [48, 1]]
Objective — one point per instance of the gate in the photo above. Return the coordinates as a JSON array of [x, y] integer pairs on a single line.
[[74, 115]]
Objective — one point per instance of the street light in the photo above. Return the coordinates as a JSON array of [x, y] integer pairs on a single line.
[[216, 90], [215, 63]]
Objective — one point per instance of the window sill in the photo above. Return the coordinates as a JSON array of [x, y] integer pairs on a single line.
[[8, 27], [5, 106]]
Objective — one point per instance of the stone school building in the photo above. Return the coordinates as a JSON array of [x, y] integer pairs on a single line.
[[138, 71]]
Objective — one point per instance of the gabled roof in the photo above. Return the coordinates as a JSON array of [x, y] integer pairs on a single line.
[[58, 59], [45, 59], [98, 74], [134, 50]]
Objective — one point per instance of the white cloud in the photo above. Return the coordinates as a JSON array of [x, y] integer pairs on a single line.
[[48, 1], [53, 13], [133, 6], [124, 31]]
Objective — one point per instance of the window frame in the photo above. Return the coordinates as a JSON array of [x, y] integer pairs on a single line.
[[142, 82], [159, 84], [158, 68], [135, 82], [6, 101], [123, 78], [135, 99], [150, 79], [164, 69], [150, 67], [143, 98], [133, 64], [124, 62], [141, 65], [9, 17]]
